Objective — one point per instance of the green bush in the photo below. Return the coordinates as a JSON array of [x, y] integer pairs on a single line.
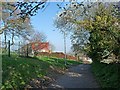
[[107, 74]]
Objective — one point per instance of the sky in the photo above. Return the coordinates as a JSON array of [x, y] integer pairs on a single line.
[[43, 22]]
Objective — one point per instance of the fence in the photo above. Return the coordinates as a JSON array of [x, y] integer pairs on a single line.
[[17, 48], [57, 55], [24, 49]]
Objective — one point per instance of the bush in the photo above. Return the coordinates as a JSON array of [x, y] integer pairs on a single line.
[[107, 75]]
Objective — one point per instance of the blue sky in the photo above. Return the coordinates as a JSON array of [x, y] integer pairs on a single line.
[[43, 22]]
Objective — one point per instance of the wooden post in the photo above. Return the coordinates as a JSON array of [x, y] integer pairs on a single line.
[[27, 50], [19, 49], [9, 48]]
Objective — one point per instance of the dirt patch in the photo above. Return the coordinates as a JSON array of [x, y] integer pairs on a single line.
[[55, 73], [43, 82]]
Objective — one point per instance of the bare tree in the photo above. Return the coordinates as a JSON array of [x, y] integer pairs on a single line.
[[13, 26], [37, 37]]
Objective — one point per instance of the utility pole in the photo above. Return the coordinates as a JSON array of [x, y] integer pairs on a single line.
[[65, 57]]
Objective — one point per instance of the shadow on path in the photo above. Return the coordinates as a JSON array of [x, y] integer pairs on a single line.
[[77, 77]]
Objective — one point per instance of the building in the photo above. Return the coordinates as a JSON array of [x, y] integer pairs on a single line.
[[35, 48], [40, 46]]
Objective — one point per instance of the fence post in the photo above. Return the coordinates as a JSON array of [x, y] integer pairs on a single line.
[[19, 49], [27, 50], [9, 48]]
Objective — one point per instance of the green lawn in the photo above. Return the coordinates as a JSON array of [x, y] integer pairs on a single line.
[[107, 75], [19, 71]]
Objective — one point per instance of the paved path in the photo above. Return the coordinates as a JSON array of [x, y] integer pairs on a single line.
[[77, 77]]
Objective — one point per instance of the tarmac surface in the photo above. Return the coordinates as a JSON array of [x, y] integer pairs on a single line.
[[76, 77]]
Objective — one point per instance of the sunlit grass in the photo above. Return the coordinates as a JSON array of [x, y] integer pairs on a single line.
[[19, 71]]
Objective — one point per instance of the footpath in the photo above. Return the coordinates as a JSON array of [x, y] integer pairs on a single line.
[[76, 77]]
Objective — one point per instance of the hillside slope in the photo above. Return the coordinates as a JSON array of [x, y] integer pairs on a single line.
[[21, 72]]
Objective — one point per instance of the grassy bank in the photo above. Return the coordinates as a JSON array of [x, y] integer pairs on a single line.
[[107, 75], [19, 71]]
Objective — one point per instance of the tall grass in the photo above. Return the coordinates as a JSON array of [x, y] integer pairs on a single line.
[[108, 75]]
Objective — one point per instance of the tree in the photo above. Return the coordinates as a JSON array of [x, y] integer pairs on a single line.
[[37, 37], [27, 8], [52, 47], [104, 32], [13, 26], [66, 19], [69, 14], [102, 25]]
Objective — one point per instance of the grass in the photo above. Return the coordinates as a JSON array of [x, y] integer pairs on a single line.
[[19, 71], [107, 75]]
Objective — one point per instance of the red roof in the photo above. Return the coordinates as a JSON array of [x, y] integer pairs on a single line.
[[40, 46]]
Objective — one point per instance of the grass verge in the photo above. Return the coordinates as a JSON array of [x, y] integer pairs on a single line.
[[19, 71], [107, 75]]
